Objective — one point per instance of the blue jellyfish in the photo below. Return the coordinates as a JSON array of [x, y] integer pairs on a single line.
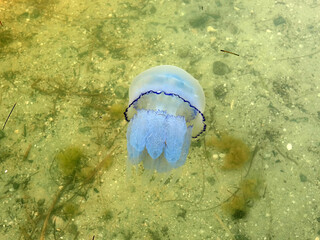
[[165, 111]]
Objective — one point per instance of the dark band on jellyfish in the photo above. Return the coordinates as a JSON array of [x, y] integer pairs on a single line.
[[168, 94]]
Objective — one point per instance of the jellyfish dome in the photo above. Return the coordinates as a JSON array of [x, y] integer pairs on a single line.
[[165, 111]]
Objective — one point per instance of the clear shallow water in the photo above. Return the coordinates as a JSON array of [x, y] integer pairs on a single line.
[[68, 66]]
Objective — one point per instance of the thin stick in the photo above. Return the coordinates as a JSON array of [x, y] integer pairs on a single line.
[[9, 116], [302, 56], [256, 148], [223, 225], [26, 154], [225, 51], [105, 163], [286, 156], [45, 223]]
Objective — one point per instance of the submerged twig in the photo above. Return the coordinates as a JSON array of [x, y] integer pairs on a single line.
[[256, 148], [297, 57], [104, 164], [56, 199], [286, 156], [223, 225], [26, 154], [9, 116]]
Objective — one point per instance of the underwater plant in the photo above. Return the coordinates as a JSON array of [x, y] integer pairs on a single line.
[[237, 152], [236, 206], [63, 203], [70, 210], [69, 160], [249, 190], [116, 111], [165, 111]]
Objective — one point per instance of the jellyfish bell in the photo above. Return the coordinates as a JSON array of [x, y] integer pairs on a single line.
[[165, 111]]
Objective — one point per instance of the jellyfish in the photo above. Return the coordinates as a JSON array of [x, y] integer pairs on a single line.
[[165, 111]]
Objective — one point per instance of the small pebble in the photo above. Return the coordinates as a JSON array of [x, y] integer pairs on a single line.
[[303, 178], [220, 68], [210, 29]]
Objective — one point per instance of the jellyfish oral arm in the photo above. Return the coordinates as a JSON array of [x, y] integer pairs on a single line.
[[154, 135]]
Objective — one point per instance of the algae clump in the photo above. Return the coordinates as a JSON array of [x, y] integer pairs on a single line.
[[69, 160], [249, 190], [237, 152], [70, 210]]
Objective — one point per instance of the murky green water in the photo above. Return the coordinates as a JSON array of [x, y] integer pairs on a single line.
[[67, 65]]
